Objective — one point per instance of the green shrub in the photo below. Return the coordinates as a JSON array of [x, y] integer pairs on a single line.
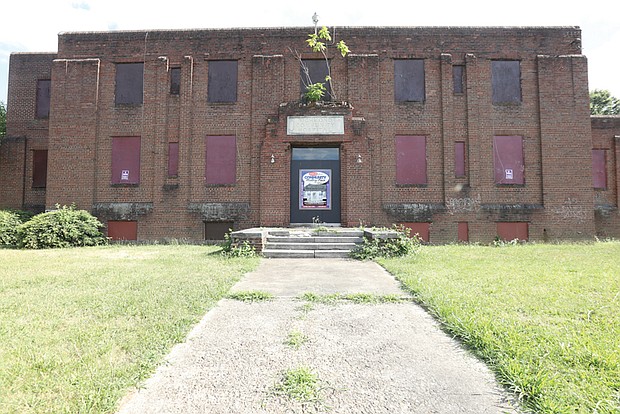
[[232, 249], [9, 222], [65, 227], [402, 245], [24, 215]]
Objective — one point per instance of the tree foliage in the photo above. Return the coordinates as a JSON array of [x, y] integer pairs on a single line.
[[320, 41], [603, 103], [2, 120]]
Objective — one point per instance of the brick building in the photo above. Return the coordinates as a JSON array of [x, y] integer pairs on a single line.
[[460, 133]]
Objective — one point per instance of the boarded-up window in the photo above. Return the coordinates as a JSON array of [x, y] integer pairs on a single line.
[[222, 81], [215, 230], [506, 81], [173, 159], [463, 231], [512, 230], [410, 159], [315, 71], [175, 81], [126, 160], [409, 80], [421, 229], [221, 160], [508, 159], [129, 83], [39, 168], [459, 159], [458, 78], [123, 230], [43, 98], [599, 169]]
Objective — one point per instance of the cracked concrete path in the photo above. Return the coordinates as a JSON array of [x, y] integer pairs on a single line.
[[369, 358]]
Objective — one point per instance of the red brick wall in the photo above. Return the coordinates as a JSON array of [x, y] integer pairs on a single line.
[[606, 135], [552, 119], [25, 133]]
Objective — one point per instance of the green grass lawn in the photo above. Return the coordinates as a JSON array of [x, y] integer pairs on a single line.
[[80, 327], [545, 317]]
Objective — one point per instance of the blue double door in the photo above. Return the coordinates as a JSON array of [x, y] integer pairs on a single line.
[[315, 185]]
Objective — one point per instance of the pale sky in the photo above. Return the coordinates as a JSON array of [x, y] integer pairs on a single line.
[[33, 26]]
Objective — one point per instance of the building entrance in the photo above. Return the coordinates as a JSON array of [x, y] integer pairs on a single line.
[[315, 185]]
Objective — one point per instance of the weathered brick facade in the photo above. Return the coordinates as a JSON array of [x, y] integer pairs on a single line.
[[555, 201]]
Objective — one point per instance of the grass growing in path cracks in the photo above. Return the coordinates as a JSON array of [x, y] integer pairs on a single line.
[[368, 298], [250, 296], [295, 339], [304, 386]]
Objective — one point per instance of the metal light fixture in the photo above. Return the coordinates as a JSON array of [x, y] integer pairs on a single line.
[[359, 158], [273, 159]]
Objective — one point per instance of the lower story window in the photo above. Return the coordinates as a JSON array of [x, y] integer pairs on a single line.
[[215, 230], [513, 230], [463, 231], [123, 230], [421, 229]]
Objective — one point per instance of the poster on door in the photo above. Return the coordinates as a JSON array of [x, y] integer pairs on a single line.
[[315, 191]]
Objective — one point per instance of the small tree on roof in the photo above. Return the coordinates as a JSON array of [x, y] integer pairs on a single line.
[[320, 42]]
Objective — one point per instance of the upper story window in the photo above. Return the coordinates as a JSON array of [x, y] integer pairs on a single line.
[[458, 78], [175, 81], [43, 98], [506, 81], [129, 83], [315, 71], [222, 81], [409, 80]]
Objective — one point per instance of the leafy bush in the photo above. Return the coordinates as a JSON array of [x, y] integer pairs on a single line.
[[23, 215], [232, 249], [402, 245], [65, 227], [9, 222]]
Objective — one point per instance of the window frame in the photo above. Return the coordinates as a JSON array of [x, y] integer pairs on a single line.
[[39, 169], [220, 160], [124, 227], [173, 159], [460, 159], [175, 81], [129, 84], [218, 92], [411, 166], [318, 69], [599, 169], [508, 164], [511, 230], [505, 83], [126, 156], [43, 99], [458, 79], [408, 87]]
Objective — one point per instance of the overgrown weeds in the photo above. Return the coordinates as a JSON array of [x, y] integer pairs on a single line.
[[395, 242]]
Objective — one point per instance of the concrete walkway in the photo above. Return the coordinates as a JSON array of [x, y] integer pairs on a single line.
[[370, 358]]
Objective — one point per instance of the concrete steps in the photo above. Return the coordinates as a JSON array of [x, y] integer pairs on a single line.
[[309, 243]]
